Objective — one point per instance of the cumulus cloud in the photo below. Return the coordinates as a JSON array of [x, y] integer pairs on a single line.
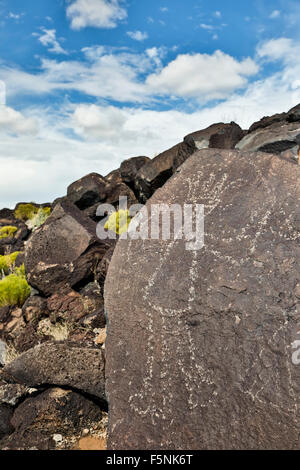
[[137, 35], [48, 39], [95, 13], [202, 76], [120, 75], [278, 49], [14, 122], [40, 166]]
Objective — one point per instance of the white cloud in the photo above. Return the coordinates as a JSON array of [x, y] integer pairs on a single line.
[[95, 13], [137, 35], [164, 9], [202, 76], [277, 49], [275, 14], [218, 14], [15, 16], [120, 75], [42, 149], [209, 27], [48, 39], [14, 122]]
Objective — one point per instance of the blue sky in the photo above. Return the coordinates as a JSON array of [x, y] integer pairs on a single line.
[[92, 82]]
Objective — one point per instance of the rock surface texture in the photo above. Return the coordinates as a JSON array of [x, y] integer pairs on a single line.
[[61, 364], [63, 251], [209, 365], [275, 138]]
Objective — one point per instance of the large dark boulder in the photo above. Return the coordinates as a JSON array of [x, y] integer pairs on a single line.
[[223, 136], [154, 174], [64, 251], [114, 189], [63, 364], [275, 138], [87, 191], [199, 347], [129, 169], [54, 419]]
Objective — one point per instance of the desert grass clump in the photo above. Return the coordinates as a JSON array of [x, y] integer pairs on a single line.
[[14, 290], [39, 218], [26, 211], [7, 263], [118, 222], [7, 231]]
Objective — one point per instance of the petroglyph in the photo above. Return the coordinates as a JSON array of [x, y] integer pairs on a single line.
[[199, 342]]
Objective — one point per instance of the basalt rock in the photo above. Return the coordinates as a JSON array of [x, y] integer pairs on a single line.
[[129, 169], [62, 364], [223, 136], [293, 115], [55, 419], [205, 359], [64, 251], [275, 139], [6, 413], [87, 191], [114, 189], [154, 174]]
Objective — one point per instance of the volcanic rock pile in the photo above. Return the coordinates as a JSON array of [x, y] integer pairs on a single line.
[[198, 353]]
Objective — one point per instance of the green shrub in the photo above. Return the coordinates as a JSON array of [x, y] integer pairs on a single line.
[[7, 262], [39, 218], [14, 290], [7, 231], [118, 222], [26, 211]]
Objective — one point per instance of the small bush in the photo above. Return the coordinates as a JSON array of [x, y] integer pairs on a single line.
[[118, 222], [7, 231], [39, 218], [7, 262], [14, 290], [26, 211]]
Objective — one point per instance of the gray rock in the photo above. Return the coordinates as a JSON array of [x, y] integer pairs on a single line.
[[11, 394], [199, 346], [61, 364], [2, 353]]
